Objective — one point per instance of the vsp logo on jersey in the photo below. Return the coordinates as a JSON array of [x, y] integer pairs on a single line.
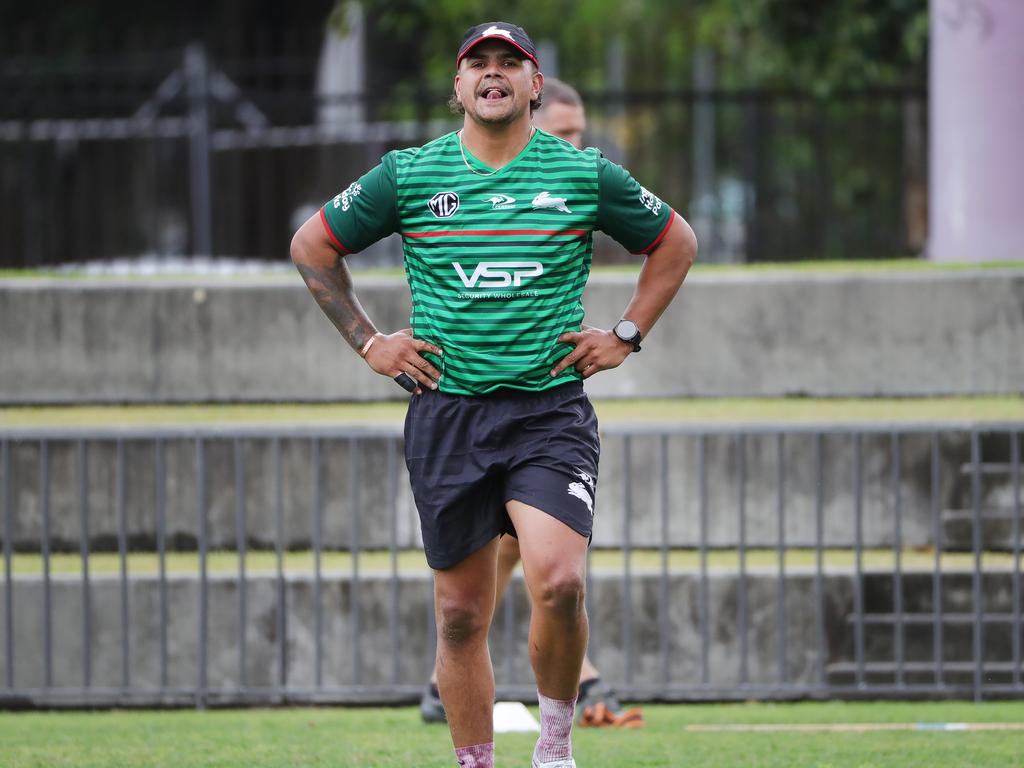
[[443, 204], [499, 274]]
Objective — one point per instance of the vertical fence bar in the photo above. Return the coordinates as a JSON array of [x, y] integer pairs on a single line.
[[5, 459], [204, 605], [507, 632], [83, 547], [978, 636], [1015, 474], [431, 640], [705, 676], [318, 612], [819, 554], [858, 533], [937, 563], [741, 542], [282, 621], [160, 491], [197, 86], [588, 600], [241, 549], [664, 623], [627, 580], [357, 654], [392, 505], [897, 553], [780, 516], [44, 502], [122, 553]]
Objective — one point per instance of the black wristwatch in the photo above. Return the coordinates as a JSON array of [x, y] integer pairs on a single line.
[[628, 332]]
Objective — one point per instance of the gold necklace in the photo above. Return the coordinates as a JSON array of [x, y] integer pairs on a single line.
[[462, 151]]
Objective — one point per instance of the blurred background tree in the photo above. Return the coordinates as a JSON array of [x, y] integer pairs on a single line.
[[787, 129]]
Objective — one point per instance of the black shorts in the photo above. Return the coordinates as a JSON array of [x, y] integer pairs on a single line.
[[470, 455]]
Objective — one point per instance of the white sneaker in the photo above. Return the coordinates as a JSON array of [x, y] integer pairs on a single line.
[[567, 762]]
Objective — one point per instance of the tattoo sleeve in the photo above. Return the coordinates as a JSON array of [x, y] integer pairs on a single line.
[[332, 288]]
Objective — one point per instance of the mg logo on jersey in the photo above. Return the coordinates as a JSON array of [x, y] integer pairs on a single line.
[[443, 204], [499, 274]]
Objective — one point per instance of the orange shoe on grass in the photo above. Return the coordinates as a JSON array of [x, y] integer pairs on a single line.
[[599, 707]]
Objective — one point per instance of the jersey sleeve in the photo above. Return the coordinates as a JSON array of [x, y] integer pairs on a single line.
[[365, 211], [631, 214]]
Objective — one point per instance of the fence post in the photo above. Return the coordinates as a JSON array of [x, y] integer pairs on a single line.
[[198, 86]]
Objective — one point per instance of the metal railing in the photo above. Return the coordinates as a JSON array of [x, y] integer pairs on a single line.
[[136, 157], [710, 578]]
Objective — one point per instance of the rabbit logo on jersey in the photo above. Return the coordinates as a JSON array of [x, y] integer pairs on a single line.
[[583, 491]]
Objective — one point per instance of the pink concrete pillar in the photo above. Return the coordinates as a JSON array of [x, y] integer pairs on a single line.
[[976, 157]]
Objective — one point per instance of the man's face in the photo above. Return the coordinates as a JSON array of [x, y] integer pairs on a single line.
[[495, 84], [565, 121]]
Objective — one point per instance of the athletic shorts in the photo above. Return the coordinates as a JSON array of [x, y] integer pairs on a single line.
[[468, 455]]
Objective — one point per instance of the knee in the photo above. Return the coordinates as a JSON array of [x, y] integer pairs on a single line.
[[460, 623], [563, 594]]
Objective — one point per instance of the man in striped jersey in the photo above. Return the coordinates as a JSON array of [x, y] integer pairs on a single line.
[[562, 115], [496, 221]]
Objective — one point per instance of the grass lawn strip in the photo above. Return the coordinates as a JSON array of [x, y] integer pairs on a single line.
[[911, 411], [411, 561], [395, 738]]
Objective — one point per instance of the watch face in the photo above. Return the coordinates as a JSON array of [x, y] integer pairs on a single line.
[[626, 329]]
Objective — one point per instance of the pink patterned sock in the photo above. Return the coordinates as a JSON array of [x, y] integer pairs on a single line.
[[555, 729], [477, 756]]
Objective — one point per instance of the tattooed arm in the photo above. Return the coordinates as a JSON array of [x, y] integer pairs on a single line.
[[328, 278]]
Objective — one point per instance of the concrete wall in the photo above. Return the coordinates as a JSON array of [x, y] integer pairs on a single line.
[[758, 334], [367, 515], [372, 645], [374, 636]]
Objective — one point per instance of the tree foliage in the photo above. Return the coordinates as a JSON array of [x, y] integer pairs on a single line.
[[807, 44]]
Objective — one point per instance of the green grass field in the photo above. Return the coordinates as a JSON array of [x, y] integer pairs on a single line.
[[395, 738]]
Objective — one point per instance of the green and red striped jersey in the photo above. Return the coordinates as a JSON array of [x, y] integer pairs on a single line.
[[496, 260]]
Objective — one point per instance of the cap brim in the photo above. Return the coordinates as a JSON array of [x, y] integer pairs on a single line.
[[503, 39]]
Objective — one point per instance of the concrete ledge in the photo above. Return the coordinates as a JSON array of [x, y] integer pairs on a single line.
[[362, 505], [363, 651], [366, 653], [736, 334]]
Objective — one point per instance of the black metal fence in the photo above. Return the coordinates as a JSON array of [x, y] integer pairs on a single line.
[[168, 156], [299, 582]]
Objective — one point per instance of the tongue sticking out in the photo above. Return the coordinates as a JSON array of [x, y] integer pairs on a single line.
[[494, 95]]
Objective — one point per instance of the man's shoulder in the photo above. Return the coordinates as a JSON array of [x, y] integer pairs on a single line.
[[430, 150]]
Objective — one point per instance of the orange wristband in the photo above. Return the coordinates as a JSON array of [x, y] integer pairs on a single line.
[[368, 344]]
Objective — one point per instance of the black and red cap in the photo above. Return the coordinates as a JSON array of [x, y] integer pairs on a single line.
[[498, 30]]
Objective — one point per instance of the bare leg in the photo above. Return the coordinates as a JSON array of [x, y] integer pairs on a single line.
[[588, 671], [554, 563], [464, 605], [508, 559]]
